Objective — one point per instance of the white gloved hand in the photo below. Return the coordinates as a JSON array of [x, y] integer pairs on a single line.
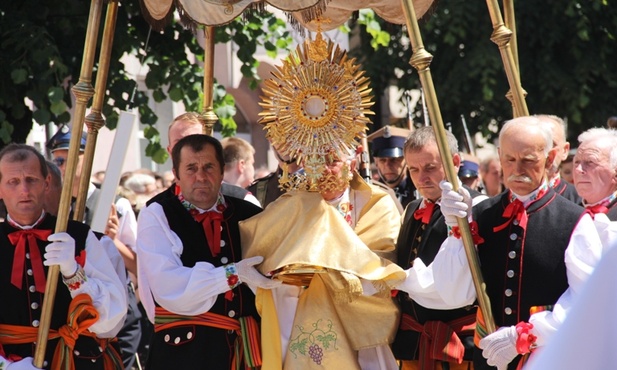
[[499, 348], [23, 364], [61, 251], [454, 204], [249, 275]]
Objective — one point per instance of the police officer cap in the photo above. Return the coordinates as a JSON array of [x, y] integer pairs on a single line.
[[62, 138], [388, 141], [468, 169]]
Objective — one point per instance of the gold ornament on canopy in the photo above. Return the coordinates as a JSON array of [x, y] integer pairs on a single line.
[[315, 107]]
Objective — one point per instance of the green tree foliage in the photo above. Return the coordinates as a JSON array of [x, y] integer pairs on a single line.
[[567, 52], [41, 52]]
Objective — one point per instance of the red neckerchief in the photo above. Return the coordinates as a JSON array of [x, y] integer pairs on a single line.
[[601, 206], [516, 210], [425, 211], [211, 222], [23, 239], [598, 208]]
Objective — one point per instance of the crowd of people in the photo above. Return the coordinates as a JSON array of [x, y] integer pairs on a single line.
[[208, 306]]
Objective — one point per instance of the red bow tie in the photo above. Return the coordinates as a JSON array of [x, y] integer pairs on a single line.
[[424, 214], [211, 222], [598, 208], [18, 238], [514, 211]]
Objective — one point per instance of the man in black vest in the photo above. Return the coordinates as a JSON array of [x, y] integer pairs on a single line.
[[421, 235], [595, 171], [193, 284], [561, 187], [536, 249], [88, 278]]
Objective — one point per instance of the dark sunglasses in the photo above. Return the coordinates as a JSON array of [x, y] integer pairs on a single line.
[[59, 161]]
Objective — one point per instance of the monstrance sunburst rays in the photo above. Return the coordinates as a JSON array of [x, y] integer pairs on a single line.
[[316, 104]]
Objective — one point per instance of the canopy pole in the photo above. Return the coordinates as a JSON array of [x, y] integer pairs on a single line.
[[95, 121], [421, 60], [503, 36], [83, 91], [208, 114]]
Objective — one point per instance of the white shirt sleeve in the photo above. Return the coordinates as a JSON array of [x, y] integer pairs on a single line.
[[161, 274], [444, 284], [582, 255], [104, 286], [115, 257], [587, 337], [447, 282], [127, 230]]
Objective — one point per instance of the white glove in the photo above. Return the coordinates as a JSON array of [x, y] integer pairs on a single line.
[[23, 364], [454, 204], [61, 251], [249, 275], [499, 348]]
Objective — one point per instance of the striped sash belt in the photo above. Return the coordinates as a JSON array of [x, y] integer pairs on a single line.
[[439, 341], [81, 315], [247, 344]]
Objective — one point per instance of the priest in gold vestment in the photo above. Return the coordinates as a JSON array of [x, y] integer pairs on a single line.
[[336, 310], [327, 236]]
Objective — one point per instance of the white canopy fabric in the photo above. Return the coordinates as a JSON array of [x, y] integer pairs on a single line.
[[333, 13]]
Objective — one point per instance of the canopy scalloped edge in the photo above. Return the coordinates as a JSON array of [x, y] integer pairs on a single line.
[[158, 13]]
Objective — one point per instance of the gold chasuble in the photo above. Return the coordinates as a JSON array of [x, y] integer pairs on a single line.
[[301, 233]]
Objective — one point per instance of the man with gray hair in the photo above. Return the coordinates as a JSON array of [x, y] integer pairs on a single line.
[[536, 250], [561, 187], [595, 171]]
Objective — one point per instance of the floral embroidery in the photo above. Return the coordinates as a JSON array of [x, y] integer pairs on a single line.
[[231, 273], [314, 343], [218, 206], [345, 209], [543, 189]]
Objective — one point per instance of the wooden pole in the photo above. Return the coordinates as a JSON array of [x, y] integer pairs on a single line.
[[83, 91], [421, 60], [208, 114], [95, 121], [502, 36]]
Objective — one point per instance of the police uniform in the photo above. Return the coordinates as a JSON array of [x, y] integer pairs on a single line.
[[389, 142], [468, 172]]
